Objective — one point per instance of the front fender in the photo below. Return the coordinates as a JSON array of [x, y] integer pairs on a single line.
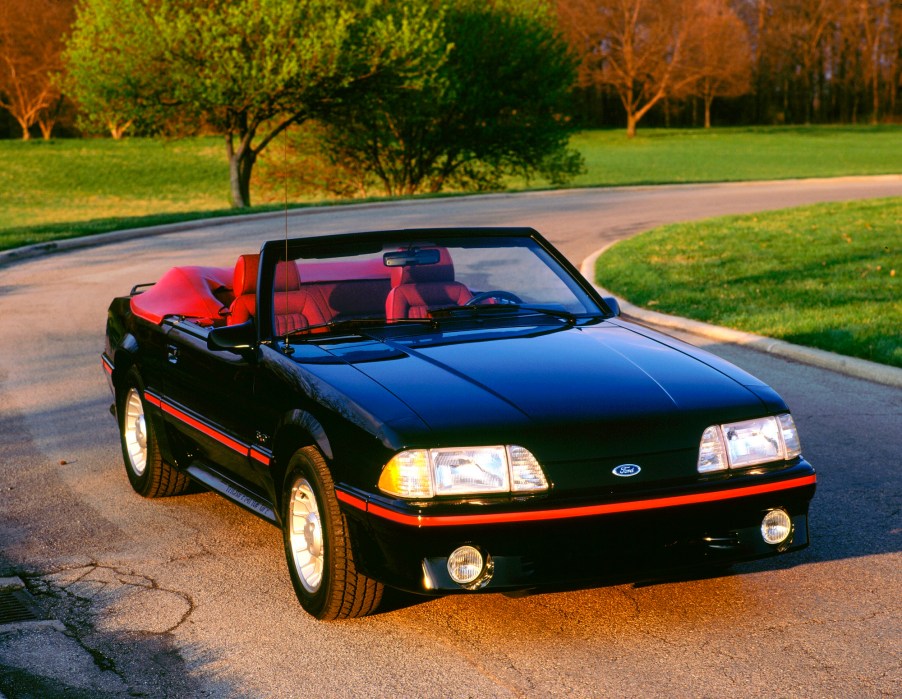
[[296, 429]]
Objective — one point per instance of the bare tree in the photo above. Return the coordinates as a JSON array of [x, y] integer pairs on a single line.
[[636, 47], [803, 31], [870, 23], [719, 53], [31, 34]]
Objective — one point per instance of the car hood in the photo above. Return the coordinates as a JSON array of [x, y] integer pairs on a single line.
[[572, 393]]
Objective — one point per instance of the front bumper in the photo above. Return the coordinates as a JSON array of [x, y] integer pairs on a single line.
[[616, 541]]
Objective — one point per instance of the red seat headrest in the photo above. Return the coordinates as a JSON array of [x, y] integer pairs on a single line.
[[245, 279], [287, 277], [442, 271]]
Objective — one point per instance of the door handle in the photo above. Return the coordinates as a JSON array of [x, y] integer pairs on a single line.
[[172, 354]]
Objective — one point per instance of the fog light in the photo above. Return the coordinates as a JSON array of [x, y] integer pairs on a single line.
[[465, 565], [776, 527]]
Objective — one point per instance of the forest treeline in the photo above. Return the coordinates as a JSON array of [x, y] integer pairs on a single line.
[[768, 62], [417, 95], [764, 61]]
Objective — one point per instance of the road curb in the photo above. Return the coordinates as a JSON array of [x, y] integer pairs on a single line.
[[850, 366], [27, 252], [39, 249]]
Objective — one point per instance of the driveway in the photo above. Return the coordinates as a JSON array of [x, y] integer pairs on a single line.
[[190, 596]]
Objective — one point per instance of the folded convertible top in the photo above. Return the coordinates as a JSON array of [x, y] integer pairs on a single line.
[[200, 293]]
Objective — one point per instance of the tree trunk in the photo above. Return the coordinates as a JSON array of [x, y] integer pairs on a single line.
[[46, 128], [117, 129], [26, 136], [241, 164], [631, 122], [708, 100], [875, 83]]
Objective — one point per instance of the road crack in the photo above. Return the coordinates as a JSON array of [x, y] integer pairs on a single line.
[[117, 597]]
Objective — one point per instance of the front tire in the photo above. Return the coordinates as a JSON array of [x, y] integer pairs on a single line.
[[149, 475], [318, 545]]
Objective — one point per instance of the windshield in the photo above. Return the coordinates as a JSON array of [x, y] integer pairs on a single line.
[[423, 280]]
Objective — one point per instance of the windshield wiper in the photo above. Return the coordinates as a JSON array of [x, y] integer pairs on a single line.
[[357, 324], [497, 308]]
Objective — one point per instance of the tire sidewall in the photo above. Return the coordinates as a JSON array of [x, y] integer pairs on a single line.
[[140, 482], [301, 467]]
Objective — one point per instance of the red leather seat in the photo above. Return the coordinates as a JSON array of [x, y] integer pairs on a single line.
[[294, 308], [418, 288], [244, 286]]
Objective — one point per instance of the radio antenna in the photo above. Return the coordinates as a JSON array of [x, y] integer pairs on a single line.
[[285, 184], [286, 346]]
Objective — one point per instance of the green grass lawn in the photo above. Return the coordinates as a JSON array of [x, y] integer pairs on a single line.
[[658, 156], [75, 180], [826, 276], [67, 188]]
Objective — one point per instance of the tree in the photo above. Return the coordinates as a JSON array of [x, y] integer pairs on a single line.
[[245, 68], [873, 20], [808, 25], [30, 47], [492, 104], [636, 47], [113, 67], [719, 54]]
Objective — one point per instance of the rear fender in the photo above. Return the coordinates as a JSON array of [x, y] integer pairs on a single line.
[[124, 355], [125, 358]]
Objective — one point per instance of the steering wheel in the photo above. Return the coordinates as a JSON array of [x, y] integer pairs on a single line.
[[500, 294]]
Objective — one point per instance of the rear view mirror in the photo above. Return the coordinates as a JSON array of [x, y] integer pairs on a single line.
[[409, 258]]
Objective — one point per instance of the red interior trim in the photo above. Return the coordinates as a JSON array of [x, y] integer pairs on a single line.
[[571, 512]]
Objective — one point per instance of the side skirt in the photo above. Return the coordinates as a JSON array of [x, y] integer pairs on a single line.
[[253, 502]]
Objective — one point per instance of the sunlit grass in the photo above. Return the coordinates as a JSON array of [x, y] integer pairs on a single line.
[[826, 276], [658, 156], [75, 181]]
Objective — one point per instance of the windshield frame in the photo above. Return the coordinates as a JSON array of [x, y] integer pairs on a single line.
[[350, 244]]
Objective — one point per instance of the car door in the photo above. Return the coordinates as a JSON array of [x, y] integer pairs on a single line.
[[209, 399]]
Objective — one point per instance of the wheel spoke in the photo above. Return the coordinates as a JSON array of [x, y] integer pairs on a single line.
[[306, 535], [135, 432]]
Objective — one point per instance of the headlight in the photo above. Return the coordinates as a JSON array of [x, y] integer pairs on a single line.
[[748, 443], [425, 473]]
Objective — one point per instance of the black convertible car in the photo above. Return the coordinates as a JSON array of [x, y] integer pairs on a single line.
[[447, 410]]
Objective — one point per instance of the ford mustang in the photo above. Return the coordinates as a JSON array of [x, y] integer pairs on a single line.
[[447, 411]]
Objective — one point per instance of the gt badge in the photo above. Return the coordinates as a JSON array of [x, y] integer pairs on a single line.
[[626, 470]]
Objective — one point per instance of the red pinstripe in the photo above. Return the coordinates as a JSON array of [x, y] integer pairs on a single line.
[[242, 449], [571, 512]]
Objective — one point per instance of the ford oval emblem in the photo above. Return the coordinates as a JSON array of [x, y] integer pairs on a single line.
[[626, 470]]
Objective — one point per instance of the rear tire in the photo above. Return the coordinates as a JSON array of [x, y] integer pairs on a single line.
[[148, 474], [318, 545]]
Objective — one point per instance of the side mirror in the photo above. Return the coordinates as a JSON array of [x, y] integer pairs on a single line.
[[233, 338], [612, 303]]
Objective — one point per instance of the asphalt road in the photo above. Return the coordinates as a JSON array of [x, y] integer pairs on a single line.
[[190, 596]]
